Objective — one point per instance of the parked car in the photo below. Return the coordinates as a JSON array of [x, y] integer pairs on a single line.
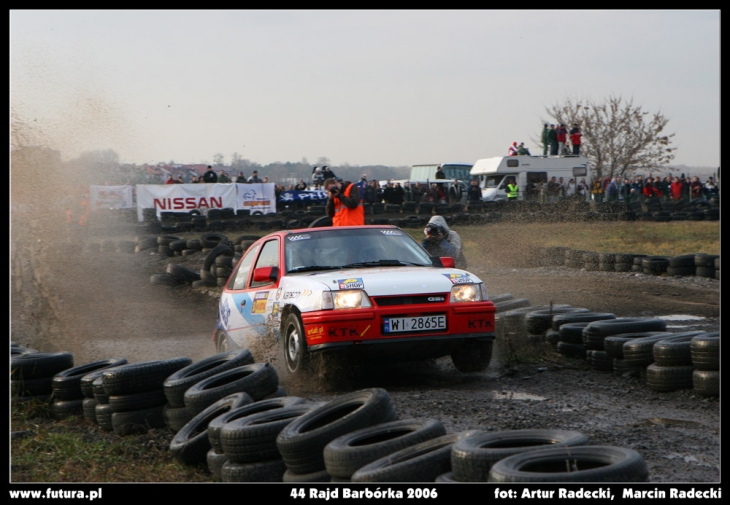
[[371, 292]]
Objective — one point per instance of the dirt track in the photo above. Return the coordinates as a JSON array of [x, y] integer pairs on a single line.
[[100, 304]]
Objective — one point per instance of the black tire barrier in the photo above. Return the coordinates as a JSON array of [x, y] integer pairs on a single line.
[[137, 401], [104, 416], [705, 351], [472, 457], [302, 442], [137, 422], [640, 351], [655, 265], [176, 417], [706, 382], [67, 385], [422, 462], [215, 462], [182, 272], [166, 280], [141, 376], [38, 365], [675, 350], [257, 380], [177, 383], [668, 378], [220, 249], [67, 408], [260, 471], [570, 350], [25, 388], [539, 321], [216, 425], [190, 444], [599, 360], [614, 345], [575, 464], [89, 409], [252, 438], [512, 304], [580, 317], [320, 476], [572, 332], [345, 455]]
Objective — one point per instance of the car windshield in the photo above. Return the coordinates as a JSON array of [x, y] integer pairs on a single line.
[[352, 248]]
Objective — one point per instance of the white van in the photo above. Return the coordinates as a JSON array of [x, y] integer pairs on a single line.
[[458, 171], [495, 173]]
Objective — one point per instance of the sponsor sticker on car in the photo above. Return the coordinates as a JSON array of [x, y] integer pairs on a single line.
[[353, 283], [458, 278], [259, 302]]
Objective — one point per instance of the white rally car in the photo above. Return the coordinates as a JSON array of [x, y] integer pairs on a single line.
[[368, 291]]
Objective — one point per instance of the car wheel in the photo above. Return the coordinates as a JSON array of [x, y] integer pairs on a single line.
[[221, 342], [295, 345], [472, 356]]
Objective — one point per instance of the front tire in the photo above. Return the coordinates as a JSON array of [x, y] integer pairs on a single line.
[[221, 342], [472, 356], [296, 355]]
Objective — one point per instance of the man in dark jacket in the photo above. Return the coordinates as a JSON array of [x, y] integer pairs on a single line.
[[553, 139], [209, 175]]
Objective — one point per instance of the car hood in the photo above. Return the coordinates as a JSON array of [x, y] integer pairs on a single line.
[[491, 194], [383, 281]]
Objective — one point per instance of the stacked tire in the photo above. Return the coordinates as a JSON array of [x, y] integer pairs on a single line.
[[69, 399], [31, 374], [176, 413], [302, 442], [705, 354], [135, 396], [672, 367]]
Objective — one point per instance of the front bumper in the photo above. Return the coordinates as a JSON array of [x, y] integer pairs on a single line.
[[336, 329]]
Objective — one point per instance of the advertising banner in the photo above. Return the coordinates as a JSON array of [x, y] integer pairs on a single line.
[[256, 197], [111, 197], [186, 197]]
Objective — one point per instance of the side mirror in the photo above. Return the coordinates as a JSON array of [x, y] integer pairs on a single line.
[[266, 274], [443, 261]]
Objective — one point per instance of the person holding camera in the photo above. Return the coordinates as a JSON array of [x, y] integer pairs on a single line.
[[441, 241], [344, 203]]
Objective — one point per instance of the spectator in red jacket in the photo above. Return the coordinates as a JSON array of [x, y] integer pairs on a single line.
[[170, 179], [651, 189], [695, 188], [676, 189], [575, 136], [562, 134]]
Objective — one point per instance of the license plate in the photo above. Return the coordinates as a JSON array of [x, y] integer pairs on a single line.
[[420, 323]]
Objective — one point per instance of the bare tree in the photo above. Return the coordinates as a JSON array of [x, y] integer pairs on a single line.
[[218, 159], [619, 137]]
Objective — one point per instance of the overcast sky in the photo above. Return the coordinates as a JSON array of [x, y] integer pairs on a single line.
[[360, 87]]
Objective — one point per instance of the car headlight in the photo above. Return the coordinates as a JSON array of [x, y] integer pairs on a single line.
[[346, 299], [467, 293]]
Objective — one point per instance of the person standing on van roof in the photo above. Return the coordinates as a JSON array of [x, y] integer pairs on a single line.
[[513, 149], [440, 173], [575, 136], [553, 138], [562, 134], [545, 140]]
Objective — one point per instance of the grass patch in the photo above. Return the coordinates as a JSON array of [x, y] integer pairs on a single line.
[[499, 243], [77, 450]]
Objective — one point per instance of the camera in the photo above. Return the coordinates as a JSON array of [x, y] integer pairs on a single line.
[[334, 191], [434, 230]]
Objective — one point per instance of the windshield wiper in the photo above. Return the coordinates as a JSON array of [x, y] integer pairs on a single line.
[[312, 268], [382, 263]]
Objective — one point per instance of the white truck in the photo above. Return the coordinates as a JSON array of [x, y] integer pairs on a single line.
[[530, 172]]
